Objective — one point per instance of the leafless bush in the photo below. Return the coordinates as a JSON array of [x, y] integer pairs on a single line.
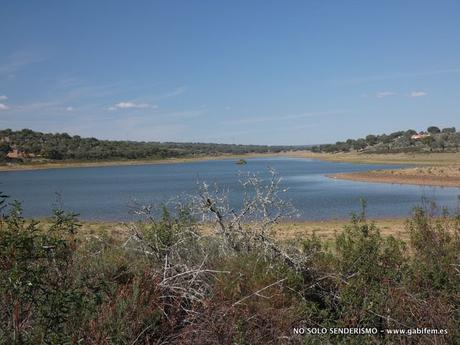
[[250, 228], [176, 250], [184, 258]]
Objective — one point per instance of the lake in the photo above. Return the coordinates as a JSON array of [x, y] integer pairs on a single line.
[[108, 193]]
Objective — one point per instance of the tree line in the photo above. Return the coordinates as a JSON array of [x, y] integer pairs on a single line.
[[33, 145], [62, 146], [433, 139]]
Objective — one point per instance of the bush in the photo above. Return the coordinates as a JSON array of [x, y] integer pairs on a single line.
[[163, 282], [39, 296]]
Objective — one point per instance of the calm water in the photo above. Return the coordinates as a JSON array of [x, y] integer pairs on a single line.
[[108, 193]]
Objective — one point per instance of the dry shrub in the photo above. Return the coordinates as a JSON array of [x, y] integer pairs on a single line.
[[137, 312], [223, 323]]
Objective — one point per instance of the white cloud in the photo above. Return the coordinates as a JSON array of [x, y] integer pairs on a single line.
[[4, 106], [70, 108], [417, 94], [3, 98], [128, 105], [131, 105], [383, 94]]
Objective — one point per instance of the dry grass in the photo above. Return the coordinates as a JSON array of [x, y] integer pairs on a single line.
[[435, 159], [447, 176], [287, 230], [326, 229]]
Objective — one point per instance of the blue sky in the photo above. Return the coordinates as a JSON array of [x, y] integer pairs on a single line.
[[252, 72]]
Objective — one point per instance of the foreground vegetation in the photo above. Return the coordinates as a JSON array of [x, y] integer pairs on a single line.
[[167, 283]]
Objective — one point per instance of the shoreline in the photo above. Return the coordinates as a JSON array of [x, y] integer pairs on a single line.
[[432, 159], [446, 176], [285, 230], [440, 163], [390, 159], [97, 164]]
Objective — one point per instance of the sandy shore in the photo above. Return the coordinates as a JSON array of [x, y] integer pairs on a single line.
[[423, 159], [70, 164], [434, 169], [434, 159], [287, 230], [446, 176], [326, 229]]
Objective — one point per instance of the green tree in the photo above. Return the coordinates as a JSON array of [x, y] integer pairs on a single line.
[[4, 149], [359, 144], [428, 141], [410, 132], [371, 139], [449, 130], [433, 130], [52, 153]]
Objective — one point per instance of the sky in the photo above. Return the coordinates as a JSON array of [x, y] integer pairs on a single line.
[[245, 72]]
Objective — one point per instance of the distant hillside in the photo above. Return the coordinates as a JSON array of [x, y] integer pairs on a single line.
[[431, 140], [28, 145]]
